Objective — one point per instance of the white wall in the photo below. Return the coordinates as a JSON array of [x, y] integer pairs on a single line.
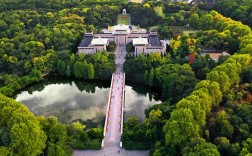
[[100, 48], [152, 50], [147, 50], [139, 50], [87, 50], [91, 50], [129, 38]]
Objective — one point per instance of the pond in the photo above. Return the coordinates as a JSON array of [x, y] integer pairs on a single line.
[[72, 99]]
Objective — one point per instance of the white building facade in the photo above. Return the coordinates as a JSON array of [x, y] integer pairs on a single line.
[[143, 42]]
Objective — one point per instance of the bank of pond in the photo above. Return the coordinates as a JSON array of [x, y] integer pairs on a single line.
[[72, 100]]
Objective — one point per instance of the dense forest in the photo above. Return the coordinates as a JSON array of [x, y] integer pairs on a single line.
[[207, 102], [207, 108], [39, 38], [235, 9]]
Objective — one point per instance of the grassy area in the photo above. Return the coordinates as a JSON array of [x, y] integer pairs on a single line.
[[136, 1], [182, 30], [123, 19], [156, 27]]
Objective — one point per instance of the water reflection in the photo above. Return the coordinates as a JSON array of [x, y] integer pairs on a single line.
[[71, 100], [138, 98]]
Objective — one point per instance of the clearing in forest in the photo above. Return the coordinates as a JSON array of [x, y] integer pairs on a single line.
[[182, 30]]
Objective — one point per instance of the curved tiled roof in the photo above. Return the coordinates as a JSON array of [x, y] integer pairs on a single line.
[[99, 41], [140, 41]]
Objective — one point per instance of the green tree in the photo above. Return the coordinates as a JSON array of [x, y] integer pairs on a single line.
[[85, 69], [203, 98], [91, 71], [61, 67], [224, 128], [72, 58], [68, 71], [155, 118], [247, 49], [213, 89], [36, 74], [5, 151], [247, 74], [206, 22], [111, 47], [225, 147], [199, 148], [176, 80], [81, 57], [134, 135], [246, 147], [232, 69], [57, 136], [193, 20], [77, 126], [221, 77], [146, 76], [78, 69], [28, 66], [26, 135], [180, 128], [151, 76], [199, 115]]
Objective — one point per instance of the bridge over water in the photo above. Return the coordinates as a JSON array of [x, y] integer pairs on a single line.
[[113, 128], [114, 116]]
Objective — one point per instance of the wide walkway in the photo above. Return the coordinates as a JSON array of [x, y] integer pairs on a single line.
[[110, 151], [113, 127], [114, 115]]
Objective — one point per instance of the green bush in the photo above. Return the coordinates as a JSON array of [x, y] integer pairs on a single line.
[[94, 144], [131, 145], [111, 47], [85, 139]]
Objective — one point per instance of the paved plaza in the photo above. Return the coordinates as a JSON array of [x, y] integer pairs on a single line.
[[110, 151]]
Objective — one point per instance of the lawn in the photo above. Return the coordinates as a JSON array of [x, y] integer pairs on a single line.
[[123, 19], [182, 30], [156, 27], [136, 1]]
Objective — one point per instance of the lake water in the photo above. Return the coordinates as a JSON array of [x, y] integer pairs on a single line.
[[70, 99]]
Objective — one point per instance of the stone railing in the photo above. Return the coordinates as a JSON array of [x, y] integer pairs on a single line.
[[122, 107], [107, 111]]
